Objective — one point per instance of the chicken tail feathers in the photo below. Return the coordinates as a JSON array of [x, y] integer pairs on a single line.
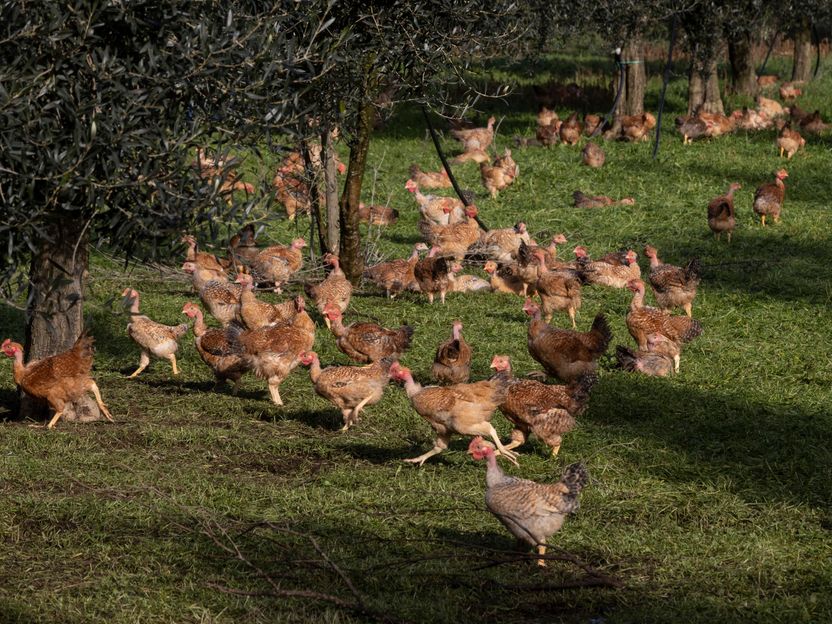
[[692, 329], [403, 337], [575, 478], [626, 358], [582, 387], [693, 270], [234, 334], [601, 330]]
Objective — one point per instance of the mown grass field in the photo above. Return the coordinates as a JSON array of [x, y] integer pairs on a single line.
[[710, 493]]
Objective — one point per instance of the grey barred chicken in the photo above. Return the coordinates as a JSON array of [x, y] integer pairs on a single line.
[[531, 511], [153, 338]]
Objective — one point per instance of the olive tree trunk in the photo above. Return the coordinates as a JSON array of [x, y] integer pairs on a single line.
[[703, 88], [742, 65], [802, 68], [631, 101], [333, 228], [351, 256], [55, 307]]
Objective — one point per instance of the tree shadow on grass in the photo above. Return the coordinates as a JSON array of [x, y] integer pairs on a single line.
[[770, 451]]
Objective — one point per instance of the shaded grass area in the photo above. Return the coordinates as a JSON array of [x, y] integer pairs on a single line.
[[710, 491]]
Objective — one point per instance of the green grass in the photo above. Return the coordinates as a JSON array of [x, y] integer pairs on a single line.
[[710, 494]]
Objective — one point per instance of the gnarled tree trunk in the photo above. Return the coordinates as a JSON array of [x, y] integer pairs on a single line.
[[631, 101], [742, 65], [802, 68], [55, 312], [703, 88]]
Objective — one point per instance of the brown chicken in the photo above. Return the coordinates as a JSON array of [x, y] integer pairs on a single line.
[[642, 321], [813, 123], [334, 290], [658, 360], [721, 212], [502, 244], [570, 130], [718, 124], [788, 91], [768, 200], [397, 275], [292, 192], [548, 134], [429, 179], [546, 117], [581, 200], [692, 127], [674, 287], [789, 141], [220, 297], [603, 273], [242, 248], [565, 353], [768, 80], [433, 274], [477, 156], [772, 108], [349, 388], [532, 512], [593, 156], [475, 138], [60, 379], [436, 209], [496, 177], [254, 313], [467, 283], [636, 128], [559, 290], [276, 264], [455, 239], [153, 338], [749, 119], [368, 342], [215, 350], [452, 363], [273, 352], [592, 123], [548, 411], [465, 409], [503, 279], [377, 215], [202, 259]]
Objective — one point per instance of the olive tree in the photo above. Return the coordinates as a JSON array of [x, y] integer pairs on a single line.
[[101, 105]]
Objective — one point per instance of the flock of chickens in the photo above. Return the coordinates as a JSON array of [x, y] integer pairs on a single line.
[[271, 340]]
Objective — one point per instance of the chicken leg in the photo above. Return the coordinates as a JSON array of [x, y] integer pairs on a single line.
[[763, 220], [143, 362], [440, 445], [274, 392], [55, 418], [172, 358], [518, 437], [99, 401], [572, 317], [541, 552]]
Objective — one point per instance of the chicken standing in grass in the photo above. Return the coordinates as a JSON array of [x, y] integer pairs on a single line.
[[349, 388], [721, 213], [452, 363], [674, 287], [465, 409], [153, 338], [215, 350], [532, 512], [60, 379], [768, 200]]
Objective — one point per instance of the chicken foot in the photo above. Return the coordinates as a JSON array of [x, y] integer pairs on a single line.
[[541, 552], [143, 363], [351, 415], [487, 429], [440, 445]]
